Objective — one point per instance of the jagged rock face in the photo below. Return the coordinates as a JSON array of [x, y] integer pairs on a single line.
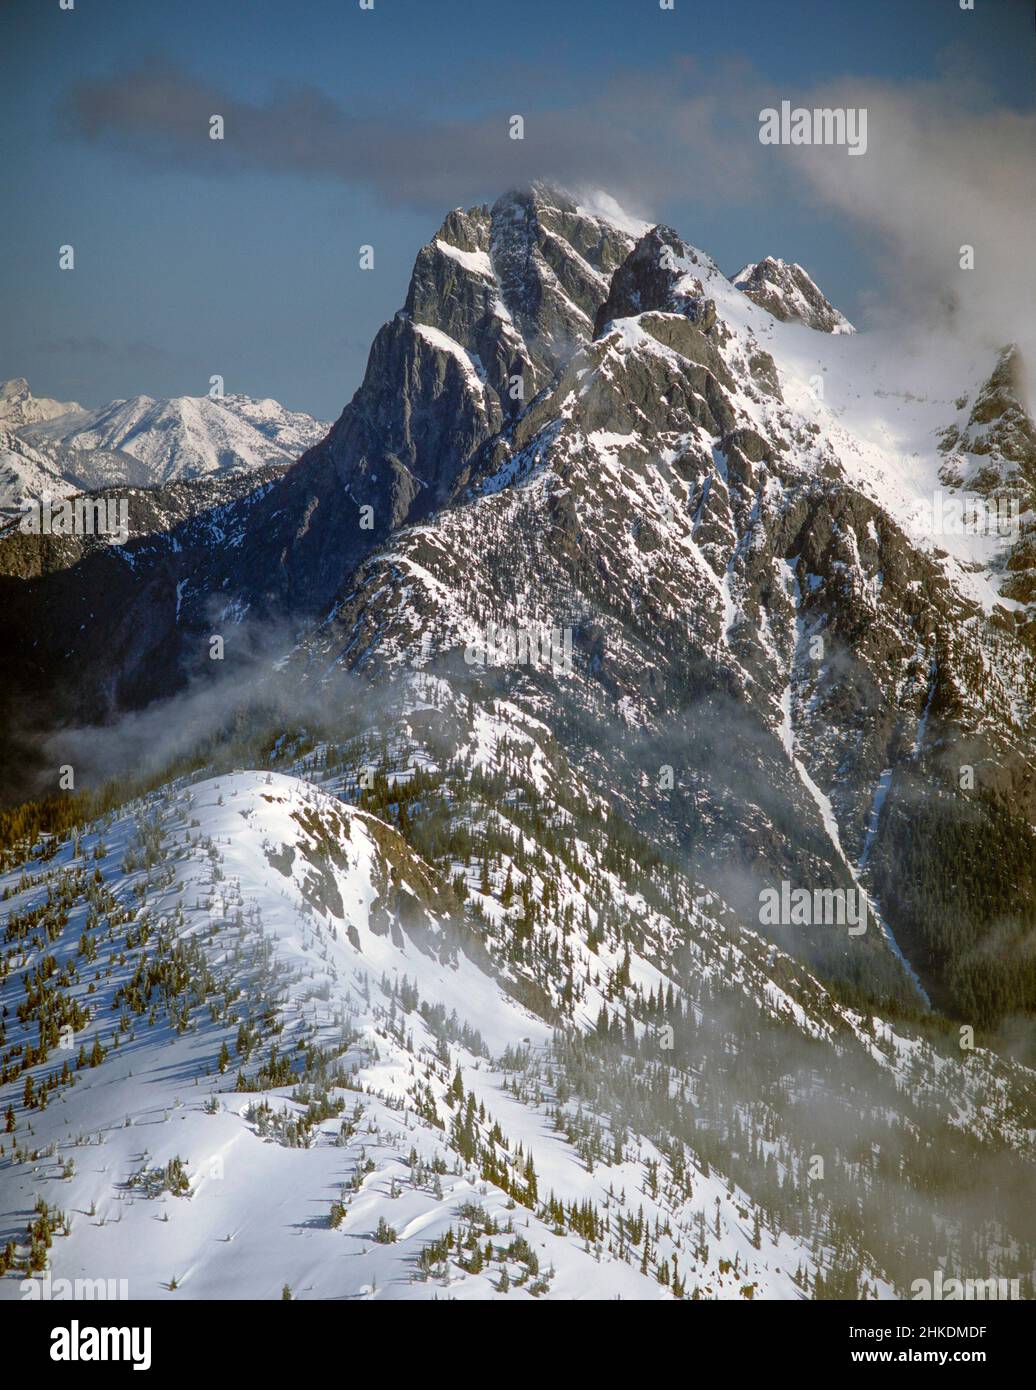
[[991, 452], [455, 291], [998, 428], [742, 613], [498, 302], [555, 265], [648, 277], [787, 292]]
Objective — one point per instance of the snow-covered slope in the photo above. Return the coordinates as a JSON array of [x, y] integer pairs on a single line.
[[362, 1018], [255, 1041], [26, 472]]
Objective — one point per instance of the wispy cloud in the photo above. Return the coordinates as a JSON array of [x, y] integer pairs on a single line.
[[943, 170], [89, 345], [945, 166], [622, 134]]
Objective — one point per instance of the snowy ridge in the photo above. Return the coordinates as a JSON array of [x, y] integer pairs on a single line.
[[289, 914]]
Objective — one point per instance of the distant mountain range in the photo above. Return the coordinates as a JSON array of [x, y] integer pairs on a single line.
[[53, 448]]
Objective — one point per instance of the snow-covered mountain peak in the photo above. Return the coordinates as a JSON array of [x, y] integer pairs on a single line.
[[787, 291], [19, 407]]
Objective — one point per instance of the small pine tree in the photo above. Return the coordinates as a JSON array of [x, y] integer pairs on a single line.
[[530, 1180], [384, 1235]]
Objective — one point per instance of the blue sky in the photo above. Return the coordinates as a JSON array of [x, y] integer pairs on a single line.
[[194, 258]]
